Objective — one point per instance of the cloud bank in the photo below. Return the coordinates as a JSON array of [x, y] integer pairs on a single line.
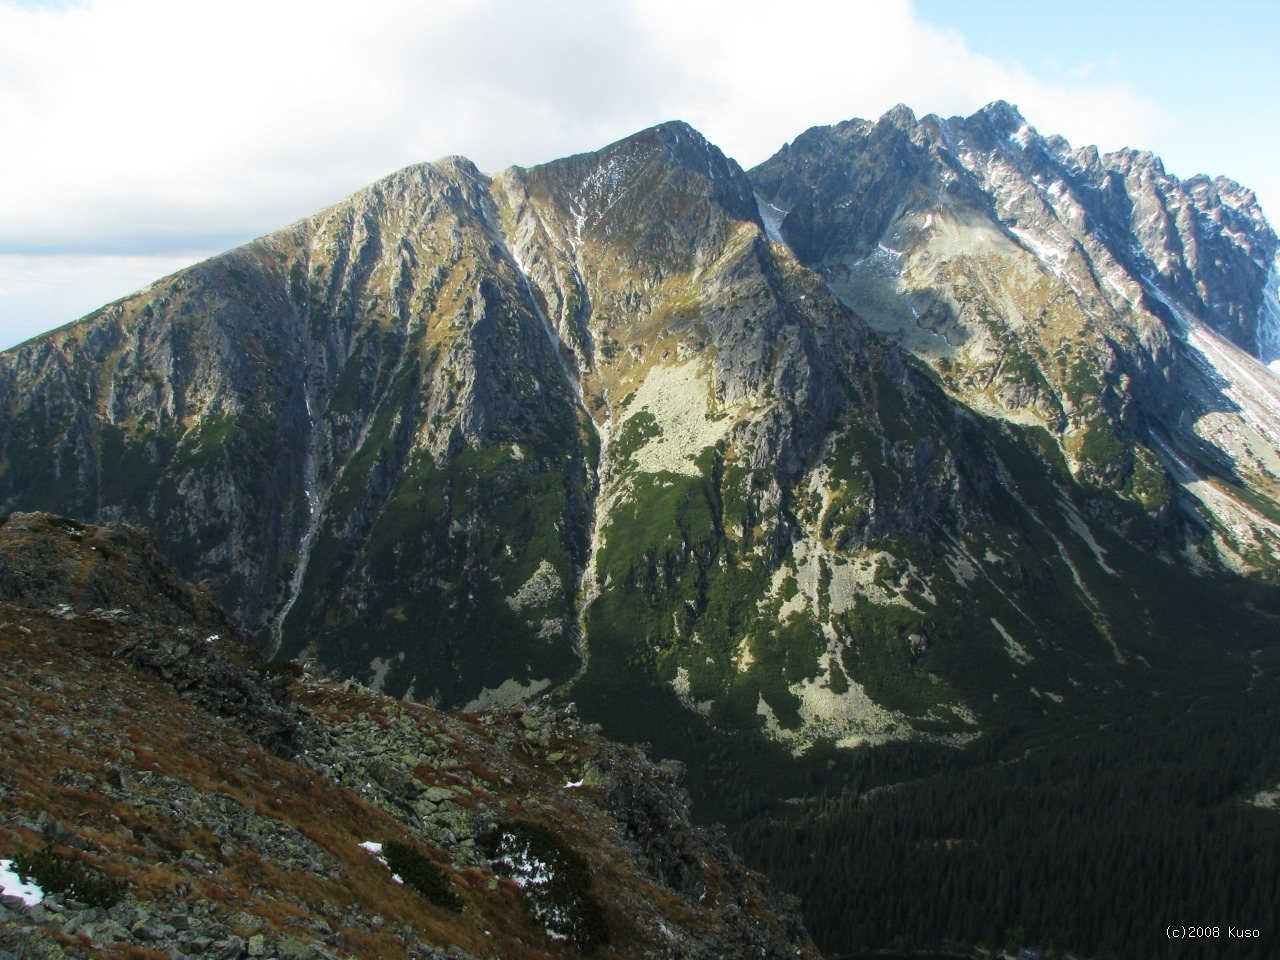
[[143, 126], [148, 128]]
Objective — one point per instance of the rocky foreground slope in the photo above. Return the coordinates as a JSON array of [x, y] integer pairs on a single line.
[[233, 808]]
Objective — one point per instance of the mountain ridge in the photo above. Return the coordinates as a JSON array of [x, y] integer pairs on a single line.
[[369, 271], [923, 441]]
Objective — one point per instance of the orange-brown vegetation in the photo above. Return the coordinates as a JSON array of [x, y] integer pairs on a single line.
[[114, 767]]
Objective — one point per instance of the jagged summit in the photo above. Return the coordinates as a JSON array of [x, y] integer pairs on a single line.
[[671, 153], [1002, 115], [371, 352], [672, 132], [900, 226], [899, 115], [675, 140]]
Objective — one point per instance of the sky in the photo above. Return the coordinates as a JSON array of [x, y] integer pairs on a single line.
[[139, 136]]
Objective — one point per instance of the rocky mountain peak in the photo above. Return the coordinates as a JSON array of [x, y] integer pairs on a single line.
[[1133, 248], [668, 150], [673, 133], [922, 431], [1140, 163], [1002, 116], [899, 115]]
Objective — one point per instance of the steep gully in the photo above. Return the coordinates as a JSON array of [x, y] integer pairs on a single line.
[[585, 590], [314, 504]]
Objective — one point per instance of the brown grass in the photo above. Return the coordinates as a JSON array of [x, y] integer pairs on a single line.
[[169, 736]]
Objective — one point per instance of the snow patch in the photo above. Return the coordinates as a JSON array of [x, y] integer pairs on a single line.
[[12, 885], [375, 849], [599, 191], [1248, 529], [315, 508], [528, 870], [1250, 434], [772, 218], [1118, 286], [1251, 385], [1021, 136], [1052, 258]]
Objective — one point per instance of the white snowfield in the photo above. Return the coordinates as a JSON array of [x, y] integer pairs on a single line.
[[11, 885]]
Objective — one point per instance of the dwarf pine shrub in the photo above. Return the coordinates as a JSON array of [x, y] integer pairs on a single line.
[[409, 864], [56, 873], [279, 668], [555, 881]]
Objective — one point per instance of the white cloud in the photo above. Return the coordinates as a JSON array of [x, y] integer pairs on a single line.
[[763, 72], [148, 122], [38, 293], [147, 118], [146, 126]]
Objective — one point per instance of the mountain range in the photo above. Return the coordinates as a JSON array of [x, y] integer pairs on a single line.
[[934, 436]]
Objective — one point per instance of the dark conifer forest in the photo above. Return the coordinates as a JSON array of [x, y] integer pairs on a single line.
[[1092, 844]]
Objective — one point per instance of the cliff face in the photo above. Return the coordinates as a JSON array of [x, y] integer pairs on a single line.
[[917, 421], [1129, 312], [316, 403], [139, 747]]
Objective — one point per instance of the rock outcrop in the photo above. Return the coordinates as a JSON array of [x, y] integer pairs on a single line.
[[1128, 311]]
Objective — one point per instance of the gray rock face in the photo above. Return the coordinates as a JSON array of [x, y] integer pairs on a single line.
[[64, 567], [423, 371], [207, 677], [1129, 312], [1202, 242], [310, 395], [600, 423]]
